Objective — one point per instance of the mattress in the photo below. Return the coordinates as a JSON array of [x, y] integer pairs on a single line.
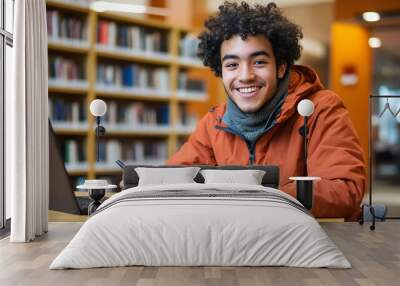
[[201, 225]]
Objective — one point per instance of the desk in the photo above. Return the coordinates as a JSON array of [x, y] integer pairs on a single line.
[[86, 194], [55, 216]]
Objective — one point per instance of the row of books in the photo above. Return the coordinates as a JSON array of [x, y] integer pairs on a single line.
[[136, 113], [66, 110], [73, 151], [187, 83], [111, 150], [132, 75], [66, 68], [122, 75], [60, 25], [129, 150], [113, 34], [187, 118], [188, 46]]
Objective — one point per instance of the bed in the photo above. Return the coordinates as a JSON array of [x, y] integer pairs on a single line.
[[201, 224]]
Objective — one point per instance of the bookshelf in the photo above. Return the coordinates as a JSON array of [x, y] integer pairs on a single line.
[[145, 70]]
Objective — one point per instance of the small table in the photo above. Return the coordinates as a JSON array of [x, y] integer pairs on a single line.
[[96, 193]]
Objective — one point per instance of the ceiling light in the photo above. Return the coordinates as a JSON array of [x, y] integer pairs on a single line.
[[371, 16], [105, 6], [374, 42]]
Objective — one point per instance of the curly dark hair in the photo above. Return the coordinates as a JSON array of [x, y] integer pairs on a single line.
[[244, 20]]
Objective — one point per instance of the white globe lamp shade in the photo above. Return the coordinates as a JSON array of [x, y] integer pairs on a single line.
[[305, 107], [98, 107]]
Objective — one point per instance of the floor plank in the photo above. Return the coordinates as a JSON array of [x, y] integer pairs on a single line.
[[374, 255]]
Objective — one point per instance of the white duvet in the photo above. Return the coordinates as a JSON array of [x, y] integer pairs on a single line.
[[183, 231]]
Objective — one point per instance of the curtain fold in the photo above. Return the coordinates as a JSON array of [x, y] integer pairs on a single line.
[[27, 139]]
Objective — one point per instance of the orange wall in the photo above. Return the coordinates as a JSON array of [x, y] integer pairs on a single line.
[[350, 47]]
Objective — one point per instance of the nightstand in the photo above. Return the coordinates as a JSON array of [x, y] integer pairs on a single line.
[[95, 193]]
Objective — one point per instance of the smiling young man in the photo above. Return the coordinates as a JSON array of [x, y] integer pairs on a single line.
[[253, 49]]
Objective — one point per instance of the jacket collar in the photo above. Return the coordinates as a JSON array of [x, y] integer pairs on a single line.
[[303, 82]]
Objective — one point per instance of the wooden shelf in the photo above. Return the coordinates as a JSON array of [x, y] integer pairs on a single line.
[[91, 53], [77, 168], [133, 93], [70, 128], [65, 127], [69, 132], [140, 97], [85, 194], [68, 86], [68, 46], [137, 133], [67, 90], [77, 172], [128, 19], [184, 130], [187, 95], [153, 58], [68, 5], [185, 62]]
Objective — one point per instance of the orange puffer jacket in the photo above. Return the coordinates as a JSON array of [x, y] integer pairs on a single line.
[[334, 151]]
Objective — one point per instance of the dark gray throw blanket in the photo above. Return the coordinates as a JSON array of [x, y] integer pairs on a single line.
[[206, 194]]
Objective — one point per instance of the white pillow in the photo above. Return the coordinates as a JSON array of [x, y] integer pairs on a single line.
[[166, 176], [248, 177]]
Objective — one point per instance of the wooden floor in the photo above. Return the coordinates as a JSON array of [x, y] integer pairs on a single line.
[[374, 255]]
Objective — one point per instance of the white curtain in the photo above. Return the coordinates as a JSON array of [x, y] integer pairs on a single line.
[[27, 147]]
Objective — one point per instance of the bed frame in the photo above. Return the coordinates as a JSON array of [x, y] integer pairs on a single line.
[[130, 178]]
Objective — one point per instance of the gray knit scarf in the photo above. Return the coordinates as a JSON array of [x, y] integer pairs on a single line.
[[251, 125]]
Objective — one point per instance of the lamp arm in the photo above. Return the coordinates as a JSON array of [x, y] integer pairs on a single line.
[[100, 131], [305, 146], [98, 137]]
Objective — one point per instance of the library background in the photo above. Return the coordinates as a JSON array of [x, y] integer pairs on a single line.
[[144, 66], [146, 71]]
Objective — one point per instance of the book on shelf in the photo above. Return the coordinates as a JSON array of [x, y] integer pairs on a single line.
[[188, 46], [190, 84], [112, 34], [113, 151], [191, 88], [136, 113], [131, 60], [132, 75], [66, 111], [65, 26], [63, 68], [186, 118], [138, 151], [73, 151]]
